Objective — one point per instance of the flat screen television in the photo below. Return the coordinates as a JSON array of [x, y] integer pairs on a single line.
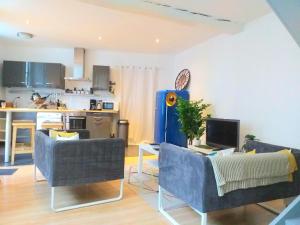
[[222, 133]]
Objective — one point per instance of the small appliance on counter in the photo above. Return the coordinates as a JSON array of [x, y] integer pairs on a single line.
[[2, 103], [99, 105], [95, 104], [108, 105]]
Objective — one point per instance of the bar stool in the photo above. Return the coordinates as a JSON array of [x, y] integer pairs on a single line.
[[20, 148], [53, 125]]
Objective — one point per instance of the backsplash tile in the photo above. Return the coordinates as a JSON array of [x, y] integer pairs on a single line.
[[73, 101]]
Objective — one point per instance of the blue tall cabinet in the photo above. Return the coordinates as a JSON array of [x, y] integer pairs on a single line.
[[167, 127]]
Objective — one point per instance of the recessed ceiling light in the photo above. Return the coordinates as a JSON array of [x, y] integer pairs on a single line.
[[157, 40], [99, 38], [24, 35]]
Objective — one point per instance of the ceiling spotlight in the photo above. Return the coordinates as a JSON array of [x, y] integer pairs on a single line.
[[157, 40], [99, 38], [24, 35]]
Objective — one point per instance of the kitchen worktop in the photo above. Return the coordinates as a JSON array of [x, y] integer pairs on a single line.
[[56, 110]]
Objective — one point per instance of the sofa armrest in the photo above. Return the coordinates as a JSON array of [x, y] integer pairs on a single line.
[[262, 147], [87, 161], [43, 157], [187, 175]]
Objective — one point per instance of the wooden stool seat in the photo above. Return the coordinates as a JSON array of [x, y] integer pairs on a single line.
[[53, 125], [21, 148], [23, 122]]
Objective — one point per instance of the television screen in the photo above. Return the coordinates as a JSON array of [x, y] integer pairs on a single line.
[[222, 133]]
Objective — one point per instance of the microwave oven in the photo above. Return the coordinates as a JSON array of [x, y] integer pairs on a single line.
[[108, 105]]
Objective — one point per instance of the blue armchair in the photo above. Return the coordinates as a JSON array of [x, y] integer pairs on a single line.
[[69, 163]]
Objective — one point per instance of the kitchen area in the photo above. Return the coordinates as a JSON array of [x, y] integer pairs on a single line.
[[42, 92]]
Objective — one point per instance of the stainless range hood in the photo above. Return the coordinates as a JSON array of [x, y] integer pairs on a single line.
[[78, 66]]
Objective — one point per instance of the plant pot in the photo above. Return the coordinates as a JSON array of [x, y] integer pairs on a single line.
[[196, 142]]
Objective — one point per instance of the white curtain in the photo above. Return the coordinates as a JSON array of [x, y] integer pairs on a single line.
[[137, 101]]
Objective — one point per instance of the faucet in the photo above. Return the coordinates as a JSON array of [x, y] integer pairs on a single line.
[[15, 101]]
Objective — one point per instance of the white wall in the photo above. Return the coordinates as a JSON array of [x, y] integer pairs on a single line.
[[253, 76]]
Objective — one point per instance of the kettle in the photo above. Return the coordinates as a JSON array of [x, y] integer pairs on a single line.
[[99, 105]]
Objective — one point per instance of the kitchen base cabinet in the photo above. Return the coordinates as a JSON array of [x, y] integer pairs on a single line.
[[99, 125]]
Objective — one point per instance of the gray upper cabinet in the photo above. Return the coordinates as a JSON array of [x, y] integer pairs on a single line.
[[37, 75], [101, 78], [14, 74], [46, 75], [54, 75]]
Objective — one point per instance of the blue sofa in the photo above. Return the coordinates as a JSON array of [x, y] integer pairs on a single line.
[[190, 177]]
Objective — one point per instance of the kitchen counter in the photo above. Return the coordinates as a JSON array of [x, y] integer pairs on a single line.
[[8, 121], [56, 110]]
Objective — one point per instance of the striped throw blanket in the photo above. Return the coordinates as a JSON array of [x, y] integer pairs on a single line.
[[242, 171]]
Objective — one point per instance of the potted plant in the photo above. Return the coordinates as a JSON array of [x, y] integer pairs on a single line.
[[248, 137], [191, 118]]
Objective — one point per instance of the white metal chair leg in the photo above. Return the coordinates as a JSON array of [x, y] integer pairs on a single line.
[[119, 197], [203, 216], [34, 172], [35, 176], [169, 217]]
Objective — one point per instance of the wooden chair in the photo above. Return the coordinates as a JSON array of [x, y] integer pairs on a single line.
[[21, 148], [53, 125]]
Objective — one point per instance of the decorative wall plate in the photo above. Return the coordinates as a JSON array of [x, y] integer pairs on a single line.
[[182, 80]]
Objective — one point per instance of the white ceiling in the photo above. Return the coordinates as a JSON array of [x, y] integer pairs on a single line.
[[124, 25]]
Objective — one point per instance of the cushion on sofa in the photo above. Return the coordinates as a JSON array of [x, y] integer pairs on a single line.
[[67, 137], [63, 135]]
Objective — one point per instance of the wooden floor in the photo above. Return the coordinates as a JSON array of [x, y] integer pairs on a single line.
[[22, 201]]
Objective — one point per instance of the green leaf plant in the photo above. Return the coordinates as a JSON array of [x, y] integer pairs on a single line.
[[192, 118]]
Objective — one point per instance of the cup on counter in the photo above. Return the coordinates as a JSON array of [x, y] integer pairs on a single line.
[[3, 104]]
